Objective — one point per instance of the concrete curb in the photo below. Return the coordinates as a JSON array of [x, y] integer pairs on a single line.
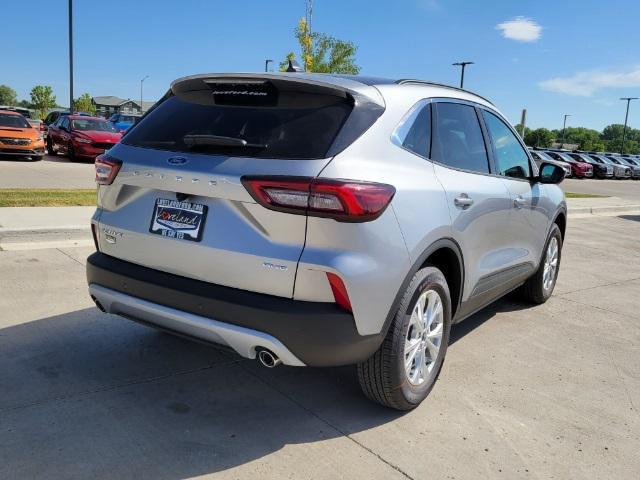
[[605, 210]]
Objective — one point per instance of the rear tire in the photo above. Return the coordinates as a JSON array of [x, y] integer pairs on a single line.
[[403, 371], [540, 286]]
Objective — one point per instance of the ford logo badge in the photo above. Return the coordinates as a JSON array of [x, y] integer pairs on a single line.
[[176, 160]]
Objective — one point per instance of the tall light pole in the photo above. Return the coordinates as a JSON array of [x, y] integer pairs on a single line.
[[266, 64], [564, 127], [462, 64], [626, 117], [141, 82], [70, 56]]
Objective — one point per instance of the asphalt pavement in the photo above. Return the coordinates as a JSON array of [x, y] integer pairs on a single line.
[[550, 391], [50, 172]]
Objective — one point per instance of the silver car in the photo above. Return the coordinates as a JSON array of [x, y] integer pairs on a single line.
[[323, 220]]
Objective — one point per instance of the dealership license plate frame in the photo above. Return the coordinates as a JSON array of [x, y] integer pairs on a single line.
[[196, 210]]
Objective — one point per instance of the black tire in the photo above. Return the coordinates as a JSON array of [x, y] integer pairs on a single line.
[[382, 377], [533, 290], [36, 158], [50, 149]]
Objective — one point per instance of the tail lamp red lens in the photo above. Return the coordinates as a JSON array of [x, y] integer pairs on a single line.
[[342, 200], [340, 294], [106, 169]]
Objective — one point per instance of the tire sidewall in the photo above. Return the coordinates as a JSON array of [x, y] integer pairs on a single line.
[[555, 232], [431, 279]]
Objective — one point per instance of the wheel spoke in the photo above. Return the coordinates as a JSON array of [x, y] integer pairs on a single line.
[[433, 349]]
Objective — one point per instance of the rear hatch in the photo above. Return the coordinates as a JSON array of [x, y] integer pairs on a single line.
[[178, 204]]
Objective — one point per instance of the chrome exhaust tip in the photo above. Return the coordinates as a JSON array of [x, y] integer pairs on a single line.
[[268, 358]]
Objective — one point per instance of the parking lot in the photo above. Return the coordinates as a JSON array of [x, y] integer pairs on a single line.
[[526, 392]]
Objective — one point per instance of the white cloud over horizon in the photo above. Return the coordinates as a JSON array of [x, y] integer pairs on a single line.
[[585, 84], [521, 29]]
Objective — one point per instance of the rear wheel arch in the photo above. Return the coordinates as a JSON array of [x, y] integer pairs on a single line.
[[446, 255], [561, 221]]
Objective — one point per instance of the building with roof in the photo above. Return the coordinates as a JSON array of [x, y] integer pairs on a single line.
[[107, 106]]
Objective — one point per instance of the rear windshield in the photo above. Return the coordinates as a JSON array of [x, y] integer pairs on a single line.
[[14, 121], [292, 126]]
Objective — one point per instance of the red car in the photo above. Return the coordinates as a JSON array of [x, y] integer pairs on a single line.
[[79, 136]]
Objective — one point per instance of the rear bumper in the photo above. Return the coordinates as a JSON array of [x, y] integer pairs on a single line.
[[301, 333]]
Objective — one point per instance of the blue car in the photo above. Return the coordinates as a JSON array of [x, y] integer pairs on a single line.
[[122, 121]]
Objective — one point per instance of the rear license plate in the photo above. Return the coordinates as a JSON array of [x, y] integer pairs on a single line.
[[180, 220]]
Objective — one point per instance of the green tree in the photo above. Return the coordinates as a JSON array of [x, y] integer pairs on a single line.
[[7, 95], [540, 137], [43, 99], [84, 104], [612, 132], [24, 104], [322, 53]]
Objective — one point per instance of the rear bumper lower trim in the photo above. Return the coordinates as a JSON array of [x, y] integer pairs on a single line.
[[243, 340]]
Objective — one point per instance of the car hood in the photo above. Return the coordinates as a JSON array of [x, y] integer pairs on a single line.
[[98, 136], [13, 132]]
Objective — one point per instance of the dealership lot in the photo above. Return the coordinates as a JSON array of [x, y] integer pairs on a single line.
[[526, 392]]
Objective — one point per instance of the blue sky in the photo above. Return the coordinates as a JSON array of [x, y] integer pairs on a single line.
[[551, 57]]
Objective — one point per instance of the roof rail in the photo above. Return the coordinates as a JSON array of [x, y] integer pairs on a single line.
[[410, 81]]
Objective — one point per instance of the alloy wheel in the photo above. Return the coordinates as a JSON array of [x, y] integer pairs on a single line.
[[424, 337]]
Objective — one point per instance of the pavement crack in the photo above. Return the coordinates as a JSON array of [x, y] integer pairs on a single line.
[[600, 286], [74, 259], [622, 314], [329, 424]]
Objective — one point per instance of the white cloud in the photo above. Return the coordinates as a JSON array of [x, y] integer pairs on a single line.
[[585, 84], [521, 29]]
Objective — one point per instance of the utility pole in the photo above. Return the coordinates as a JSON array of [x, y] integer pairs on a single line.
[[308, 14], [626, 117], [266, 65], [70, 56], [523, 122], [564, 127], [462, 64], [141, 82]]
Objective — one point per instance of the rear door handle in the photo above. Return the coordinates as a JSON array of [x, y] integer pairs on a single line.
[[519, 201], [463, 201]]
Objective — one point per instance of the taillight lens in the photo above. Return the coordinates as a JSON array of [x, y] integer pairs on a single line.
[[106, 169], [342, 200], [340, 294]]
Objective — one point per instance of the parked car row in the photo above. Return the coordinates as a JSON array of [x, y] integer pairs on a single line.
[[586, 164]]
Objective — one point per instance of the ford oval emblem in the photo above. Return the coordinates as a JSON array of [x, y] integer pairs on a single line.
[[176, 160]]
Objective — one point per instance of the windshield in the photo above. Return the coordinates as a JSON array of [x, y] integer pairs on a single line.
[[13, 121], [92, 124]]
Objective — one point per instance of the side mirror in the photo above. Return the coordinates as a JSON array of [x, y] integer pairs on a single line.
[[550, 173]]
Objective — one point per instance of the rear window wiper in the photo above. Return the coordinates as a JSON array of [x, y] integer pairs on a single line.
[[195, 141]]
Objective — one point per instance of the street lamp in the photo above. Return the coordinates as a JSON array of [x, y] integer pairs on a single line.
[[626, 117], [564, 126], [462, 64], [141, 82], [70, 56], [266, 65]]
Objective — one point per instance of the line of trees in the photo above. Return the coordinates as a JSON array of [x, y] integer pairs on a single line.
[[609, 140], [42, 100]]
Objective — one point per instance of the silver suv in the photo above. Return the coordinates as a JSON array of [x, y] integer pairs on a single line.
[[323, 220]]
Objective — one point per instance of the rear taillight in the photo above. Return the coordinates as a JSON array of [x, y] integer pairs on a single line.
[[342, 200], [340, 294], [106, 169]]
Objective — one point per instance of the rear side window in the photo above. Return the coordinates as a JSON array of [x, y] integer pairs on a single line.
[[287, 125], [415, 132], [511, 158], [457, 138]]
